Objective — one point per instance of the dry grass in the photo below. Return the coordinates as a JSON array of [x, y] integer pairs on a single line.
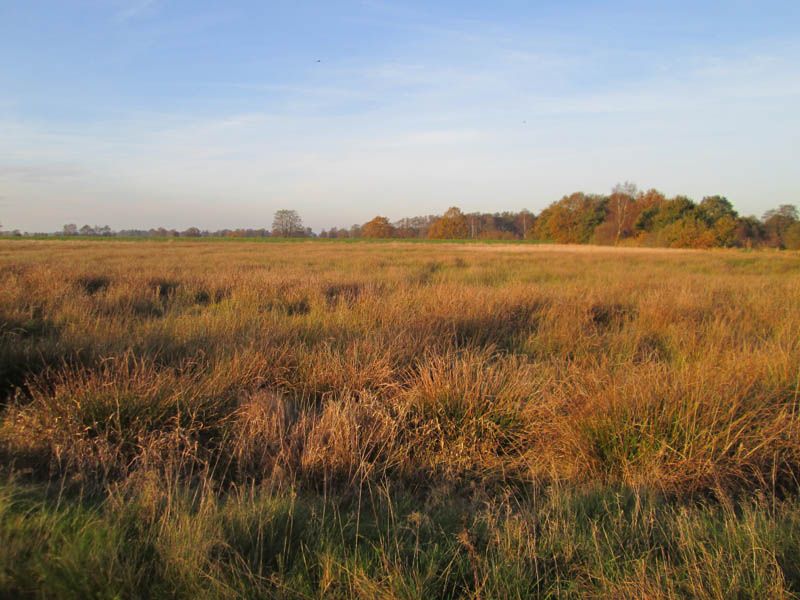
[[451, 373]]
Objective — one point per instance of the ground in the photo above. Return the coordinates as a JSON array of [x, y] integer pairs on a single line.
[[326, 419]]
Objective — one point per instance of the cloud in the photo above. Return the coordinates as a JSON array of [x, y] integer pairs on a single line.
[[434, 137], [136, 8], [418, 131], [39, 172]]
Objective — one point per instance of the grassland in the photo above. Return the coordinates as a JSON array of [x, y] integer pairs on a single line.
[[308, 420]]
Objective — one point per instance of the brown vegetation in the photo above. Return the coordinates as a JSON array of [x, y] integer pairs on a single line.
[[442, 370]]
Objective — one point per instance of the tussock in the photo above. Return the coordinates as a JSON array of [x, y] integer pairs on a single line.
[[398, 420]]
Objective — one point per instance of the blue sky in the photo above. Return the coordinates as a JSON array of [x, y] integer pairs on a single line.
[[139, 113]]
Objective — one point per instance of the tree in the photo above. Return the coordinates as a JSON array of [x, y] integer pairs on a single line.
[[749, 232], [725, 231], [687, 232], [379, 227], [287, 223], [785, 211], [714, 208], [335, 232], [451, 226], [571, 220], [680, 223], [70, 229], [414, 227], [523, 223], [191, 232], [663, 213], [791, 237], [778, 221], [713, 222], [621, 203], [87, 230], [621, 214]]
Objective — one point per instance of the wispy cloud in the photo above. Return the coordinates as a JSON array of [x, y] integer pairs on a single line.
[[446, 111], [136, 8], [42, 172]]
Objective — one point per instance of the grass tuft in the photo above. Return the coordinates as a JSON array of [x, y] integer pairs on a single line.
[[291, 420]]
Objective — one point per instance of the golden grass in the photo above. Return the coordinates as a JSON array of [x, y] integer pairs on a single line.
[[449, 362], [446, 370]]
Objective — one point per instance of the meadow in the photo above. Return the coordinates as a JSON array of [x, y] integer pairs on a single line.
[[193, 419]]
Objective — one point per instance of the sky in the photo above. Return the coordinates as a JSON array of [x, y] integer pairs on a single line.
[[178, 113]]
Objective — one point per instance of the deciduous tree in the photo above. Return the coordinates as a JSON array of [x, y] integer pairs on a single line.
[[571, 220], [452, 225], [287, 223], [379, 227], [777, 223]]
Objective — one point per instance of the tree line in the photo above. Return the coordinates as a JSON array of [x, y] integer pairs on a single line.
[[626, 216]]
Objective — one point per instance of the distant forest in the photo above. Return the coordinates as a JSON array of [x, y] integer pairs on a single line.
[[626, 216]]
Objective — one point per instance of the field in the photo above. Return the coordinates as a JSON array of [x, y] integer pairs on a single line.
[[324, 420]]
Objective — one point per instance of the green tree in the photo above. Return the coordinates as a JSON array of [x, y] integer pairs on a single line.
[[665, 213], [571, 220], [714, 208]]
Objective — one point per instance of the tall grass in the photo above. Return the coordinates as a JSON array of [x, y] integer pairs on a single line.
[[392, 420]]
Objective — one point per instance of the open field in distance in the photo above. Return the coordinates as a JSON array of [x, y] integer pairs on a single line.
[[393, 420]]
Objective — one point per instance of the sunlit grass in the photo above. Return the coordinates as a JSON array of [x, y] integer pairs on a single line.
[[398, 420]]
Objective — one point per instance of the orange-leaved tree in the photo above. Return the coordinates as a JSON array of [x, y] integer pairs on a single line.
[[451, 226], [379, 227]]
